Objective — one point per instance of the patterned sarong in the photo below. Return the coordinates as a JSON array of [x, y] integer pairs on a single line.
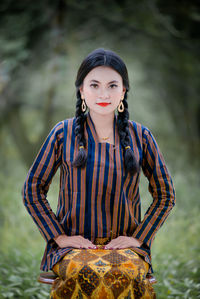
[[102, 274]]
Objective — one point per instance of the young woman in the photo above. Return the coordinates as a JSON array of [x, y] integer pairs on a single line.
[[97, 243]]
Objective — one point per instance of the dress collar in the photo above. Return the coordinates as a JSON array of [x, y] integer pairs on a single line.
[[92, 134]]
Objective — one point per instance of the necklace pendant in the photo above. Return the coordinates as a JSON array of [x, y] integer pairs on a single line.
[[105, 138]]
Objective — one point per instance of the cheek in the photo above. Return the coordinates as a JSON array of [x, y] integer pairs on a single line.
[[89, 93], [117, 95], [117, 91], [90, 98]]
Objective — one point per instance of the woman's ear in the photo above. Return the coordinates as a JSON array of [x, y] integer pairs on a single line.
[[81, 92], [124, 90]]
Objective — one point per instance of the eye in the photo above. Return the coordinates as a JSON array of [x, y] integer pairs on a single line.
[[94, 85], [113, 86]]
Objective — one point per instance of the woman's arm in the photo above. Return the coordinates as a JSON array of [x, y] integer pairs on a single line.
[[37, 184], [161, 188]]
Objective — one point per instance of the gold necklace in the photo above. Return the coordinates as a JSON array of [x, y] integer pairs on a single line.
[[105, 138]]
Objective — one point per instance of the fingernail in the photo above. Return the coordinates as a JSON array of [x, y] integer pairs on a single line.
[[105, 247]]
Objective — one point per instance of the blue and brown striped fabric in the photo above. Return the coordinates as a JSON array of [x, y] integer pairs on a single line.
[[100, 200]]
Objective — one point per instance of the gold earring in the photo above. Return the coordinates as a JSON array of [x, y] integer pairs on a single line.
[[83, 106], [120, 108]]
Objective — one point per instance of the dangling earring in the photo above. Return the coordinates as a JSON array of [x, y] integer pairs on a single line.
[[83, 105], [120, 108]]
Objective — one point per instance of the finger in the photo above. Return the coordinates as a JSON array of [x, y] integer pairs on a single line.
[[120, 246], [108, 246], [112, 243], [79, 241], [88, 245], [87, 241], [111, 246], [117, 244]]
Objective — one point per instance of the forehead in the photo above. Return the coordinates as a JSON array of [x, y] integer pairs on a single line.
[[103, 74]]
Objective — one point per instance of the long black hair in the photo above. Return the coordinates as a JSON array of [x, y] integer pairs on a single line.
[[102, 57]]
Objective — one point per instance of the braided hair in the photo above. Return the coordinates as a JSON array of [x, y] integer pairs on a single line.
[[102, 57], [130, 161], [81, 158]]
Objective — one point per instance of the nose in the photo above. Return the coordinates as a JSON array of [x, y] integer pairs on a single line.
[[104, 93]]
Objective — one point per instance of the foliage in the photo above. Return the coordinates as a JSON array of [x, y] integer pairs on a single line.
[[178, 279], [19, 277]]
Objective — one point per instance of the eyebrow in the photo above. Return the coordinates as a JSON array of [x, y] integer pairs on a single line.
[[114, 81]]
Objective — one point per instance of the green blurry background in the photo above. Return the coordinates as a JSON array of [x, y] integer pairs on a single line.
[[42, 43]]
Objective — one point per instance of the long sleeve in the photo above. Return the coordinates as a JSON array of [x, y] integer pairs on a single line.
[[160, 186], [37, 184]]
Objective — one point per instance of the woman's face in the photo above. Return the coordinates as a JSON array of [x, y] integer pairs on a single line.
[[102, 90]]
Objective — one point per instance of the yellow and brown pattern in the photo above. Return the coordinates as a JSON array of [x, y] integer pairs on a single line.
[[102, 274]]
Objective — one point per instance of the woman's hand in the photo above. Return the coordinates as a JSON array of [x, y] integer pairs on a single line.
[[123, 242], [74, 241]]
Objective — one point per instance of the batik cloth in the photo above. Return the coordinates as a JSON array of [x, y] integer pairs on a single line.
[[102, 274]]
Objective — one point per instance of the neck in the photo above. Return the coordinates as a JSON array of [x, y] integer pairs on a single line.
[[103, 126], [102, 122]]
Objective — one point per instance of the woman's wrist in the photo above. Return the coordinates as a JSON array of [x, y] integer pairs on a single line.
[[140, 242], [59, 239]]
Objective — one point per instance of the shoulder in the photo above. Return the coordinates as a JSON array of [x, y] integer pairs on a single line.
[[142, 132], [138, 128], [69, 126], [60, 127], [69, 121], [66, 123]]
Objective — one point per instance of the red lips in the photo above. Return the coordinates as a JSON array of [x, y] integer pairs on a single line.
[[103, 104]]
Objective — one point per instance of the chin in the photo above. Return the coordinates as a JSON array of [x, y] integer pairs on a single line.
[[106, 112]]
